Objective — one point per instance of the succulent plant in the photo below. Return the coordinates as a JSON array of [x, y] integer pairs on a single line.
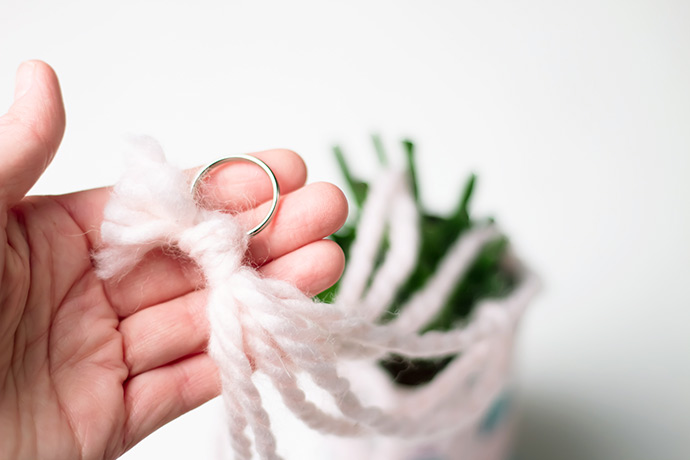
[[486, 278]]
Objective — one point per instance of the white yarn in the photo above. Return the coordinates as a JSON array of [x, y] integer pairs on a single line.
[[269, 326], [398, 210]]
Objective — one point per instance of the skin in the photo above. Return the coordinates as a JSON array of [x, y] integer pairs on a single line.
[[88, 368]]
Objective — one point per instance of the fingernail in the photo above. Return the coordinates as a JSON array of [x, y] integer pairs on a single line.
[[24, 79]]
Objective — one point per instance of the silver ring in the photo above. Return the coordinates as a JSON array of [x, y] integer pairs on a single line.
[[274, 183]]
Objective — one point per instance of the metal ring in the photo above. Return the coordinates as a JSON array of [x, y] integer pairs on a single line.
[[274, 183]]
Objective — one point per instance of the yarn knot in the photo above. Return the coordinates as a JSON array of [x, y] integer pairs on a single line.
[[217, 243]]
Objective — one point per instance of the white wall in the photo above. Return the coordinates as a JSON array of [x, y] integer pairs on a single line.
[[576, 115]]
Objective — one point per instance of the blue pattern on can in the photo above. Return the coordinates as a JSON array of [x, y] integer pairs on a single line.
[[496, 414]]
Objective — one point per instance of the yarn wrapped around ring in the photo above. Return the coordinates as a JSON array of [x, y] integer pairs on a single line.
[[261, 325]]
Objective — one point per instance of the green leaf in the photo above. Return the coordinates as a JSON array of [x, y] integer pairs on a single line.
[[408, 146], [380, 151], [357, 188], [461, 216]]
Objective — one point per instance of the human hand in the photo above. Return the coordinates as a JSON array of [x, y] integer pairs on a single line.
[[88, 367]]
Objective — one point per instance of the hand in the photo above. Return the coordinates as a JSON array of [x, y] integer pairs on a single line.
[[89, 368]]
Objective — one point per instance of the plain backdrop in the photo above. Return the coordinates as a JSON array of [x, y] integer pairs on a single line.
[[575, 115]]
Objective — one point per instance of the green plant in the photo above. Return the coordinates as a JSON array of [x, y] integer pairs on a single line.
[[486, 277]]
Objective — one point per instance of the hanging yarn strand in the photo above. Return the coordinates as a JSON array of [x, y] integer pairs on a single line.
[[269, 326]]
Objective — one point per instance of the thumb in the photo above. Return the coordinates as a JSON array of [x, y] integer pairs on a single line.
[[31, 131]]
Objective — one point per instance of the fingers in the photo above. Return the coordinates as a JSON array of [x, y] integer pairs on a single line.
[[312, 268], [304, 216], [165, 333], [159, 396], [30, 131], [239, 185], [235, 184], [169, 331], [311, 213]]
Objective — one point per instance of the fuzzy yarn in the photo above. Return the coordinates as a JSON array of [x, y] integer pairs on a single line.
[[269, 326]]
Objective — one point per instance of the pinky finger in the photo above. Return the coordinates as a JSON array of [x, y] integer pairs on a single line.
[[159, 396]]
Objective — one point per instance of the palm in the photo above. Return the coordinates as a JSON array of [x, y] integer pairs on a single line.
[[66, 358], [89, 367]]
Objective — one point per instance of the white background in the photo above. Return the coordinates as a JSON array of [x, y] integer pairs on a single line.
[[575, 115]]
